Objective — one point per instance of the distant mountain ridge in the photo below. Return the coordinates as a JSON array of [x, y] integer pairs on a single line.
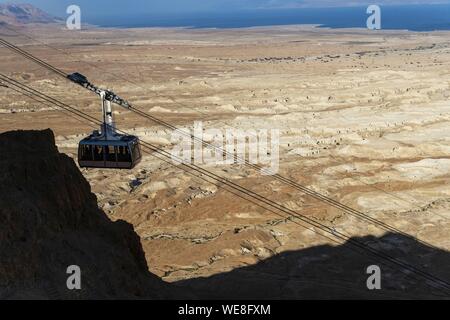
[[17, 14]]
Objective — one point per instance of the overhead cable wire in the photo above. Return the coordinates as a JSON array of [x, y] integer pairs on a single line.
[[405, 267], [306, 190]]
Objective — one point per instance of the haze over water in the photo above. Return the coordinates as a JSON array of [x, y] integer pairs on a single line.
[[413, 17]]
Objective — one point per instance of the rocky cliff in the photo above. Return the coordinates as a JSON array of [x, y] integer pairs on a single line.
[[49, 220], [14, 13]]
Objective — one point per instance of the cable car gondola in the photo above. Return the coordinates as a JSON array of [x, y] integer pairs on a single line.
[[107, 148]]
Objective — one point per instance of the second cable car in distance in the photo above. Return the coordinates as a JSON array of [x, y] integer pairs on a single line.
[[107, 148]]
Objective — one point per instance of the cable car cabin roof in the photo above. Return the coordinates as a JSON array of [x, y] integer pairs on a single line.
[[78, 78], [100, 141]]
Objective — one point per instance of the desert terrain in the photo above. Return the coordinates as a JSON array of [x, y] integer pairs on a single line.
[[363, 119]]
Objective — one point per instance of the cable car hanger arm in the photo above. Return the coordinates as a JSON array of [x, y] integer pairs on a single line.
[[109, 95]]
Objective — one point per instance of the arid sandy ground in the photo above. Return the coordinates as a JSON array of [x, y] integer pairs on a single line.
[[364, 118]]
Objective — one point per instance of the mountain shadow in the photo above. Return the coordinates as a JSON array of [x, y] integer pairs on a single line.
[[336, 272], [49, 220]]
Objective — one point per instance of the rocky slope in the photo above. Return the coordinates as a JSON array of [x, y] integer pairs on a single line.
[[13, 13], [49, 220]]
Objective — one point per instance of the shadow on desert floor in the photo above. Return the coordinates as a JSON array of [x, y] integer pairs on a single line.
[[327, 272]]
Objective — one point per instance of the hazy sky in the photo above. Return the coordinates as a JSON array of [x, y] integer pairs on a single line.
[[106, 7]]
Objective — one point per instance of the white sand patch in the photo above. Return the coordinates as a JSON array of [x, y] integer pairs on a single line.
[[247, 215], [47, 82], [424, 169], [304, 152], [374, 149], [158, 87], [379, 202], [435, 132], [161, 110], [213, 99], [279, 107], [263, 111], [154, 187], [353, 167], [227, 107]]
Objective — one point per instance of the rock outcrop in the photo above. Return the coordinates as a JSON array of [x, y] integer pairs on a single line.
[[15, 14], [49, 220]]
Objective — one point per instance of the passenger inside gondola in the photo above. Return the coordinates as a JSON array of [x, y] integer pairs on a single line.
[[110, 153], [86, 153], [98, 153], [123, 154]]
